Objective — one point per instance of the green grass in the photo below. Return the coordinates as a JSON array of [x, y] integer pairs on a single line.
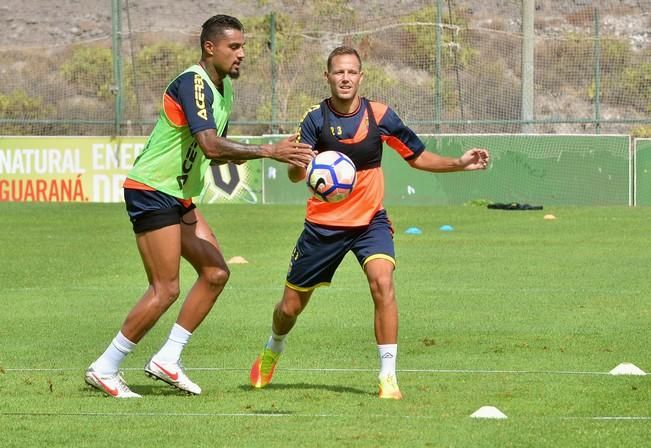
[[507, 310]]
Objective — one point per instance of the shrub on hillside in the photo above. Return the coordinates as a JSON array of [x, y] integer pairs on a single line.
[[90, 70]]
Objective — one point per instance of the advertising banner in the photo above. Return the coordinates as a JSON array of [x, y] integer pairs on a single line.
[[92, 169], [643, 171], [535, 169]]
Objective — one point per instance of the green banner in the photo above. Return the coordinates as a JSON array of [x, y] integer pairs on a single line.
[[643, 171], [533, 169]]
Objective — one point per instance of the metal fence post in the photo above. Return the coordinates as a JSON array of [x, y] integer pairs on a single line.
[[274, 73], [437, 66], [116, 43], [528, 47], [597, 72]]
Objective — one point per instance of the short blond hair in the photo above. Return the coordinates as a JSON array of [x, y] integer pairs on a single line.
[[339, 51]]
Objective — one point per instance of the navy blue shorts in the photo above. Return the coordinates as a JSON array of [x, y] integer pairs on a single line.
[[151, 210], [320, 250]]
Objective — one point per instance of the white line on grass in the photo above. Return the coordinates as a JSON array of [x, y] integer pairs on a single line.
[[162, 414], [203, 414], [482, 290], [280, 414], [608, 418], [343, 370]]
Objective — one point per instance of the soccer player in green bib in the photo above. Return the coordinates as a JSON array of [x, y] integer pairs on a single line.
[[158, 192]]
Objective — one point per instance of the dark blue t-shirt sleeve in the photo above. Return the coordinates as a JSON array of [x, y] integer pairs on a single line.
[[195, 98], [400, 136], [310, 127]]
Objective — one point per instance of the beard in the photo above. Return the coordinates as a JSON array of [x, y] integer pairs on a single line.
[[234, 74]]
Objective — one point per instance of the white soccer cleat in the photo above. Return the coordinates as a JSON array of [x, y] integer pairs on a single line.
[[172, 374], [112, 385]]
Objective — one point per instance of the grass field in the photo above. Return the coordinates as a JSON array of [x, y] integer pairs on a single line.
[[508, 310]]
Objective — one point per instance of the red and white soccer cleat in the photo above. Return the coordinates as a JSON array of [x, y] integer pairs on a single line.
[[112, 385], [173, 374]]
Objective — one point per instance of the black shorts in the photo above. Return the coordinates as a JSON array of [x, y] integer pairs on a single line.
[[151, 210], [320, 250]]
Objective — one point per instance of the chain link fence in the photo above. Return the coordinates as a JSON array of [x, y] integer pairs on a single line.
[[446, 66]]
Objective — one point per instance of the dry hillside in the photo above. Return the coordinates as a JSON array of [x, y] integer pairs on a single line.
[[40, 23]]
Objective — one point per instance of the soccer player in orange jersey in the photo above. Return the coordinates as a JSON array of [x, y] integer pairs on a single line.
[[357, 127]]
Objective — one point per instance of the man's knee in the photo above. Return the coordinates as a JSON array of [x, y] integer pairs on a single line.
[[217, 277], [166, 293], [381, 285], [286, 309]]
